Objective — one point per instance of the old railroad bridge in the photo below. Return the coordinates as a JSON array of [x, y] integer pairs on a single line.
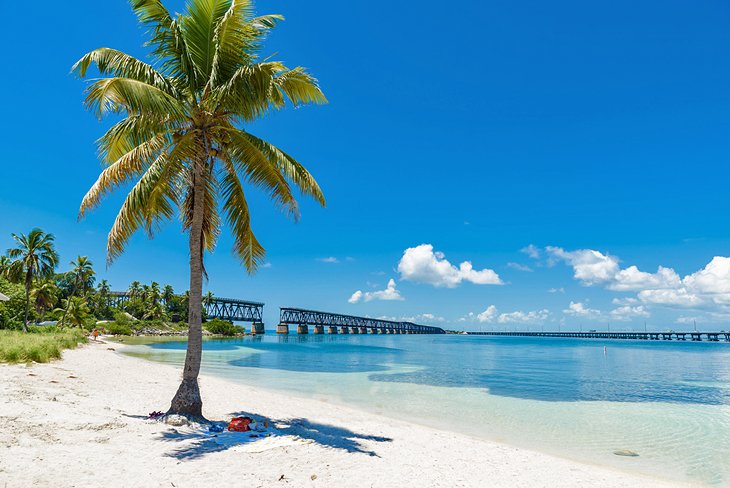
[[645, 336], [244, 311]]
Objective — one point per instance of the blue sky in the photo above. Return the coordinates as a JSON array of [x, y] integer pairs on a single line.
[[476, 128]]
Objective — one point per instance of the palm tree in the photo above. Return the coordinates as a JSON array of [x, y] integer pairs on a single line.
[[154, 293], [208, 299], [180, 139], [4, 266], [168, 293], [45, 295], [75, 311], [134, 290], [35, 257], [101, 300], [83, 277]]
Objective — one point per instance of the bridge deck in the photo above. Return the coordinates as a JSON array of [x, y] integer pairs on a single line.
[[229, 309], [648, 336], [351, 323]]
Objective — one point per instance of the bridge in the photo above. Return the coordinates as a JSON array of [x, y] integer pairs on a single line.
[[346, 324], [645, 336], [229, 309]]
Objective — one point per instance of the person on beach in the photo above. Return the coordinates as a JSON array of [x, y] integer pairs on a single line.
[[95, 334]]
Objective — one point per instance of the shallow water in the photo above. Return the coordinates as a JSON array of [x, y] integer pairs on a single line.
[[667, 401]]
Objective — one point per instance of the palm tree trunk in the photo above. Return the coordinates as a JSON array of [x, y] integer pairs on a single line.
[[68, 303], [28, 282], [187, 400]]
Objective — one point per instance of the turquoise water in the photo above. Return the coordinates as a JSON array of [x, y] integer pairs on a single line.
[[667, 401]]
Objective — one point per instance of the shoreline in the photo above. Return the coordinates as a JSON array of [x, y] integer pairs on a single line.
[[85, 411]]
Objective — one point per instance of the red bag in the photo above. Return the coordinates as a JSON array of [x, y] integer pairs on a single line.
[[239, 424]]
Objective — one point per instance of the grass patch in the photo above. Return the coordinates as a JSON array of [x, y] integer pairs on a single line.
[[41, 347]]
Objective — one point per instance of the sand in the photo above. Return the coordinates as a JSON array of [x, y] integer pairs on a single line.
[[81, 422]]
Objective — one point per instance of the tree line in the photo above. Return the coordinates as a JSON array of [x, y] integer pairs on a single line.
[[38, 292]]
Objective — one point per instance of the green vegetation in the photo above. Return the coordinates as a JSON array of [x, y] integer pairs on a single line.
[[223, 327], [178, 138], [40, 346], [34, 258], [115, 328]]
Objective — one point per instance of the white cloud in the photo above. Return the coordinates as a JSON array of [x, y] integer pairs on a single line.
[[589, 266], [556, 290], [713, 280], [631, 279], [422, 317], [625, 301], [487, 315], [266, 265], [422, 265], [329, 259], [577, 309], [628, 312], [390, 293], [534, 317], [679, 298], [517, 317], [708, 287], [686, 320], [532, 251], [520, 267]]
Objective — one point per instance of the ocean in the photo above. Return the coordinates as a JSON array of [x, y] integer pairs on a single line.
[[668, 402]]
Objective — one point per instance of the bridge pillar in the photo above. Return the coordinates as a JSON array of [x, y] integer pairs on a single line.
[[363, 330], [319, 329], [282, 329], [302, 329], [332, 329], [398, 331], [344, 329], [257, 328], [354, 330], [375, 330]]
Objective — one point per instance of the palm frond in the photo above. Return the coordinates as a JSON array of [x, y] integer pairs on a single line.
[[152, 199], [132, 131], [199, 26], [300, 87], [115, 95], [245, 245], [289, 167], [128, 166], [122, 65], [167, 40], [257, 167], [235, 41]]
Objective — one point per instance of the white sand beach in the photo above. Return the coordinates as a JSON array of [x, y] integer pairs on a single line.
[[80, 422]]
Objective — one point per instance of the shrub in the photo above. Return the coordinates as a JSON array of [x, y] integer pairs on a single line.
[[115, 328], [11, 312], [122, 318], [222, 327]]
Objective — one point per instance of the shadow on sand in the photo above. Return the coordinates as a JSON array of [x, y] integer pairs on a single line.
[[199, 442]]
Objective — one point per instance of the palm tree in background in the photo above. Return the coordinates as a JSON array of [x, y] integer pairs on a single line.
[[83, 278], [154, 293], [44, 295], [34, 257], [75, 311], [134, 290], [180, 139], [168, 293], [208, 299], [5, 263]]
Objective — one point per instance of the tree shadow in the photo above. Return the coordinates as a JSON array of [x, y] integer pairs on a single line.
[[197, 442]]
